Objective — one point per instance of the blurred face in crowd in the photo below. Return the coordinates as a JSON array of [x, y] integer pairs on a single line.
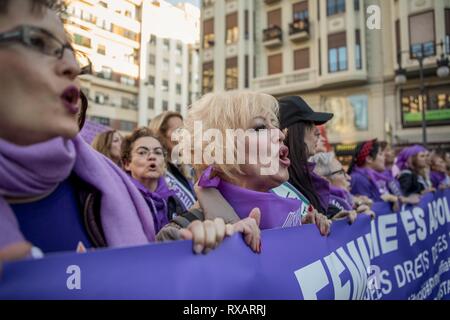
[[39, 96], [115, 145], [438, 164], [312, 136], [376, 164], [173, 124], [389, 156], [338, 177], [147, 160], [419, 161], [270, 137]]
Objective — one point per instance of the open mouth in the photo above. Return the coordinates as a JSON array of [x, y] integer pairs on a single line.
[[152, 167], [284, 153], [70, 98]]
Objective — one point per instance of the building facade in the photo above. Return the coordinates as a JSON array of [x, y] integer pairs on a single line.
[[338, 57], [141, 67]]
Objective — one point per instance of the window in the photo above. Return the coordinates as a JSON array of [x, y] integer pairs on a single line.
[[358, 53], [151, 81], [231, 74], [178, 69], [421, 34], [152, 39], [101, 98], [165, 66], [152, 59], [151, 103], [125, 32], [300, 11], [165, 85], [232, 30], [246, 75], [178, 107], [128, 103], [337, 52], [356, 5], [101, 120], [128, 81], [208, 77], [179, 50], [438, 106], [81, 40], [166, 44], [398, 41], [127, 125], [178, 88], [165, 105], [335, 7], [106, 73], [208, 33], [447, 30], [275, 64], [274, 18], [101, 49], [350, 113], [301, 59], [246, 29]]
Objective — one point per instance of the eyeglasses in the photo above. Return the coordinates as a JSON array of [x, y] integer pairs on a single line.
[[44, 42], [144, 153], [341, 171]]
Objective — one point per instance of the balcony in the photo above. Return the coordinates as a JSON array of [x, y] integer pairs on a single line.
[[271, 1], [273, 37], [299, 30]]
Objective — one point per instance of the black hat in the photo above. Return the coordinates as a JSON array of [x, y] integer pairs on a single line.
[[294, 109]]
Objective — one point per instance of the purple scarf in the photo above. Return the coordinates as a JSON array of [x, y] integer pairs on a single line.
[[342, 197], [437, 178], [321, 187], [276, 212], [37, 169], [405, 154], [157, 201], [379, 179]]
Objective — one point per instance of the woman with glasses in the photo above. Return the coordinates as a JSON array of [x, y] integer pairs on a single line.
[[56, 192], [144, 158], [331, 169]]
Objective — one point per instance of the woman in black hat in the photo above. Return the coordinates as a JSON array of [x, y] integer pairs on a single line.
[[302, 137]]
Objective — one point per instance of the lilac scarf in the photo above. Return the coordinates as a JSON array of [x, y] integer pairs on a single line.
[[37, 169], [276, 212], [379, 179], [341, 198], [438, 178], [157, 201]]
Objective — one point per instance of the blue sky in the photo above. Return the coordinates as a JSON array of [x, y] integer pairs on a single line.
[[194, 2]]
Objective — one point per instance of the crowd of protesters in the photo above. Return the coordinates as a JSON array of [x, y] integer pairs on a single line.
[[58, 193]]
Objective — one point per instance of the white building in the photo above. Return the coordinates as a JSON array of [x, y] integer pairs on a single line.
[[169, 61], [143, 56]]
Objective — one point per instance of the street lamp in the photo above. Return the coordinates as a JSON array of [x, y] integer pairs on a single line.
[[442, 71]]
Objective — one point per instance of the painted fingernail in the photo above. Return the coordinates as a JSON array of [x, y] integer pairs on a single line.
[[198, 248]]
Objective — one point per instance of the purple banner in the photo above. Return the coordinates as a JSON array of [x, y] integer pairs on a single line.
[[401, 255]]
